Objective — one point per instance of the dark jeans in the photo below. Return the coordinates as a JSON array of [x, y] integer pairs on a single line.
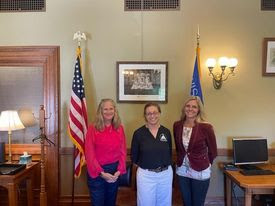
[[193, 191], [103, 193]]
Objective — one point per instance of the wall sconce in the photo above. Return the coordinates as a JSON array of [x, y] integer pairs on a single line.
[[222, 76]]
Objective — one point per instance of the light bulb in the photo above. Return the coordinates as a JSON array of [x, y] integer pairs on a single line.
[[210, 62], [223, 61], [233, 62]]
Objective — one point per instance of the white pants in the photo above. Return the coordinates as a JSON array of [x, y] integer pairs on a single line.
[[154, 189]]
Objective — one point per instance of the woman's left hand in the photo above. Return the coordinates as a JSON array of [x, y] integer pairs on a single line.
[[114, 177], [117, 174]]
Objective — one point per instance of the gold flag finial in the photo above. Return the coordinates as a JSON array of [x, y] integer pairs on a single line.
[[198, 36]]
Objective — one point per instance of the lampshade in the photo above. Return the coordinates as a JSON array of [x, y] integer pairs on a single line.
[[233, 62], [27, 117], [223, 61], [211, 62], [9, 121]]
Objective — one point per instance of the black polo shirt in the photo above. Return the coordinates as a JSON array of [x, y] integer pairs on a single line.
[[149, 152]]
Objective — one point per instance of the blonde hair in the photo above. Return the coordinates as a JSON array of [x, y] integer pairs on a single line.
[[201, 114], [99, 120]]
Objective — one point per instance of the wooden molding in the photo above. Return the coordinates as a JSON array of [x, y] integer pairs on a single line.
[[33, 149], [66, 150], [221, 152], [80, 200], [271, 152], [224, 152]]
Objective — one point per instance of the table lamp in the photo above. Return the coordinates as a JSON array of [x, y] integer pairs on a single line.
[[9, 121]]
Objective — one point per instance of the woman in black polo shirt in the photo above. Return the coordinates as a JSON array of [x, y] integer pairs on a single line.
[[151, 151]]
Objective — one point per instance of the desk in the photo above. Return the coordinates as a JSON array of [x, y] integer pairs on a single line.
[[12, 181], [258, 184]]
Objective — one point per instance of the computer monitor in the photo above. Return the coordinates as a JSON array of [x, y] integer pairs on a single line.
[[249, 151]]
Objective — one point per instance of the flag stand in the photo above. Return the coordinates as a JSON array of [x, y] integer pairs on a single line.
[[79, 37]]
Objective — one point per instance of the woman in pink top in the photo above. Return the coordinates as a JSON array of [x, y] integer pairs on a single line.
[[105, 153]]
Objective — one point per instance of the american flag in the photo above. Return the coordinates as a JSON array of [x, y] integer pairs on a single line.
[[77, 126]]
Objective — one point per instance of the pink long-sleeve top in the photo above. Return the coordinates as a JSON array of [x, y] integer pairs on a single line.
[[105, 147]]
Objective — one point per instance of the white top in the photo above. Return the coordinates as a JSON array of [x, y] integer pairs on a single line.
[[185, 169]]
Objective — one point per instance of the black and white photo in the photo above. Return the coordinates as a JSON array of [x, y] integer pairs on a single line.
[[142, 81], [269, 57]]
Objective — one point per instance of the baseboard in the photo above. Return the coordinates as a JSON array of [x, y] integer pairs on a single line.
[[214, 201], [79, 200], [84, 200]]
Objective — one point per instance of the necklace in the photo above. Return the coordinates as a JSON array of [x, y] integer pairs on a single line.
[[187, 131], [186, 135]]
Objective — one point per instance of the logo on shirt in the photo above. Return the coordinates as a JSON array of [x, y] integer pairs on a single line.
[[163, 138]]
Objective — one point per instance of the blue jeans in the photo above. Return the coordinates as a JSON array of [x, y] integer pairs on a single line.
[[193, 191], [103, 193]]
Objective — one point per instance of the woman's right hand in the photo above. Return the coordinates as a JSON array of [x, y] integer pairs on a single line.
[[108, 177]]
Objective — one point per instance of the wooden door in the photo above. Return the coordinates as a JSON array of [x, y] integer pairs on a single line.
[[47, 59]]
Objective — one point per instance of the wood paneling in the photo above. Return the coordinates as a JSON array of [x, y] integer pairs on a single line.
[[18, 149], [221, 152]]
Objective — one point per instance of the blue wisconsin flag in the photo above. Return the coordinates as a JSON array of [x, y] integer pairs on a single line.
[[196, 83]]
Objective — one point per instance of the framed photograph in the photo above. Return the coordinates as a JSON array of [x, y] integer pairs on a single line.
[[142, 81], [269, 57]]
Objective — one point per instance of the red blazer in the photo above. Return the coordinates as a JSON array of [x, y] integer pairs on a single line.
[[202, 148]]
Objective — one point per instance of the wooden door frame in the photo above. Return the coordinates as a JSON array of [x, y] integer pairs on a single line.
[[48, 58]]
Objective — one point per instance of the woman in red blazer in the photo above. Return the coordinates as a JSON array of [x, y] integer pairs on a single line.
[[196, 149]]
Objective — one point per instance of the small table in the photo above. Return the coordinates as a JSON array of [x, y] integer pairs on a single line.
[[11, 182], [257, 184]]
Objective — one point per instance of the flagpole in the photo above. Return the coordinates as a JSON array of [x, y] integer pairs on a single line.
[[198, 50], [72, 200], [79, 36], [196, 85], [198, 37]]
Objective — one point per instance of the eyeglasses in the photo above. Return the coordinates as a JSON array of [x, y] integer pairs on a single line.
[[152, 114]]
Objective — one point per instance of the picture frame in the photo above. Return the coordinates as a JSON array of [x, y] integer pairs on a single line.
[[142, 81], [268, 57]]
